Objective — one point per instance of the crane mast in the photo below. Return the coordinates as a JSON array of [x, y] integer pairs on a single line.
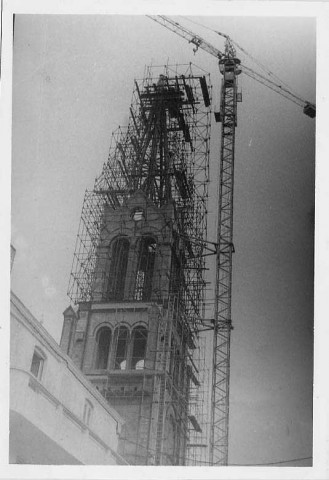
[[219, 422], [229, 68]]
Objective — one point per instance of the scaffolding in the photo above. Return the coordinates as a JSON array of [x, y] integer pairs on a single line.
[[198, 434], [162, 159]]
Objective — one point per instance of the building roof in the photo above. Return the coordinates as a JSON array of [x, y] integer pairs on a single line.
[[24, 315]]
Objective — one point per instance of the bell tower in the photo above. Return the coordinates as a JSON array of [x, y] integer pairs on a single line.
[[137, 276]]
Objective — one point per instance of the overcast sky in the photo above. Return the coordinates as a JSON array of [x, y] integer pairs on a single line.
[[72, 86]]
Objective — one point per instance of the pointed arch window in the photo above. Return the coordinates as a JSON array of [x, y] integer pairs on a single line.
[[120, 362], [103, 338], [145, 268], [139, 341], [118, 269]]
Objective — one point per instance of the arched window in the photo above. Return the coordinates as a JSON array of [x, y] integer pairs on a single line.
[[118, 269], [121, 350], [139, 339], [145, 267], [103, 347]]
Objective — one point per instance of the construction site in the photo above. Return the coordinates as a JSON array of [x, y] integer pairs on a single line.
[[147, 333], [138, 269]]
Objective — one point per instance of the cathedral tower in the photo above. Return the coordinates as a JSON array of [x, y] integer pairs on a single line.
[[138, 269]]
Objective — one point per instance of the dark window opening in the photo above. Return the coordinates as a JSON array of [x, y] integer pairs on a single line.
[[118, 269], [139, 348], [145, 267], [103, 347], [37, 364], [87, 412], [121, 350]]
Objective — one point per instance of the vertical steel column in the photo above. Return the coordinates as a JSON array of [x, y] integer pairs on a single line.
[[223, 288]]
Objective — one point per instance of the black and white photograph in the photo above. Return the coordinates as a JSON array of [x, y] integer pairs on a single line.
[[163, 241]]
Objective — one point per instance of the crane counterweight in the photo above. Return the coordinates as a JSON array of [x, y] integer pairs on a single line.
[[309, 110]]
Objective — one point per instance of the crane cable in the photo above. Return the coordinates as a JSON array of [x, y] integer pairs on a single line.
[[281, 88], [273, 86], [257, 62], [261, 65]]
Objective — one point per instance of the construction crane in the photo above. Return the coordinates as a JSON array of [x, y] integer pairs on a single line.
[[230, 67]]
